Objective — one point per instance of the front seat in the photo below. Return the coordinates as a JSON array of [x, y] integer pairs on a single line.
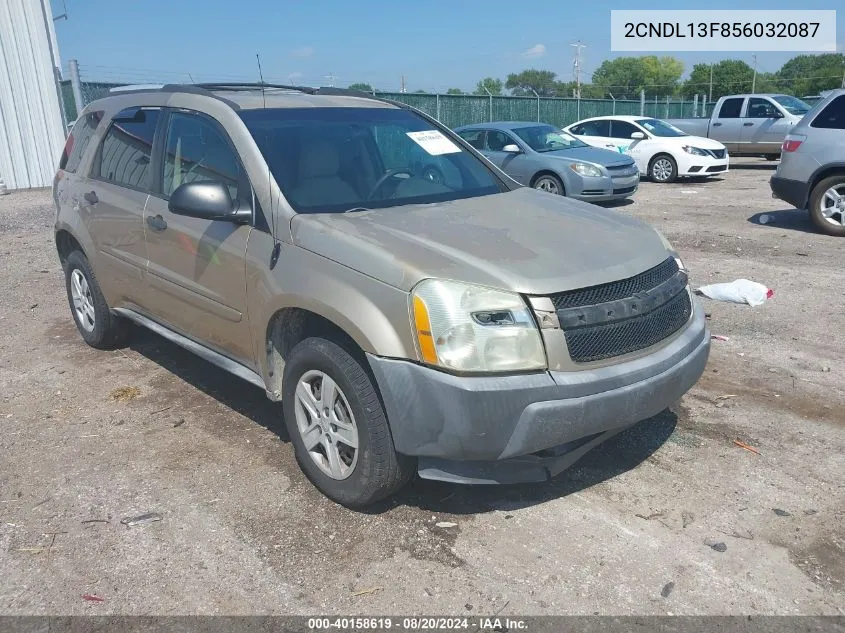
[[319, 183]]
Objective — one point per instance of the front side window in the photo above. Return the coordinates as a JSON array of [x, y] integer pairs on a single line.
[[127, 148], [792, 105], [832, 116], [329, 160], [731, 108], [545, 138], [78, 140], [496, 140], [622, 129], [657, 127], [195, 150], [761, 109]]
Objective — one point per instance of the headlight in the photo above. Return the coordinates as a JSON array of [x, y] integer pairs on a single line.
[[472, 328], [696, 151], [585, 169]]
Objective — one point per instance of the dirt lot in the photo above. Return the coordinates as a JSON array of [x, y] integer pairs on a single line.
[[91, 437]]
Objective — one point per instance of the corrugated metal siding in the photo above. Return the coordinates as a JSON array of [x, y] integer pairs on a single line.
[[32, 131]]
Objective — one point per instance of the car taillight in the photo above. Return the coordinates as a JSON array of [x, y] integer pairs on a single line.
[[792, 143]]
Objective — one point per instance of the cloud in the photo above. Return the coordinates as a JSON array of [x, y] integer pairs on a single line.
[[535, 51], [305, 51]]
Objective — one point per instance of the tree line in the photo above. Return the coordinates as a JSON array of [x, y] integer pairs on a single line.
[[625, 77]]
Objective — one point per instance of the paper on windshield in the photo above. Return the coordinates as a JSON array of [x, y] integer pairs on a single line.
[[433, 142]]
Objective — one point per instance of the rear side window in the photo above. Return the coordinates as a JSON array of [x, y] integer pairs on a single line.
[[473, 137], [731, 108], [127, 149], [832, 117], [593, 128], [78, 140]]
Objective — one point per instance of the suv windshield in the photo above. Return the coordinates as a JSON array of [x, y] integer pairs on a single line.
[[792, 104], [339, 159], [545, 138], [660, 128]]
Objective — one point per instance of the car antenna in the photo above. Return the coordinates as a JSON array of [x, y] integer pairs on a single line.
[[277, 246]]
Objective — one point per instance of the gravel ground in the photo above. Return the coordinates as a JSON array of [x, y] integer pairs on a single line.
[[671, 516]]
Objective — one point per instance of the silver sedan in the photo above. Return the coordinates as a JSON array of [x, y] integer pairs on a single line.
[[543, 157]]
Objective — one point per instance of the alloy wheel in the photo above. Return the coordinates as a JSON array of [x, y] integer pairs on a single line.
[[326, 424]]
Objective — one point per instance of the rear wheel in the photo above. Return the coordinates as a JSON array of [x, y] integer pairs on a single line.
[[338, 426], [772, 157], [548, 183], [663, 168], [827, 205], [92, 315]]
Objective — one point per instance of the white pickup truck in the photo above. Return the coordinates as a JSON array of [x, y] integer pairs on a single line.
[[748, 125]]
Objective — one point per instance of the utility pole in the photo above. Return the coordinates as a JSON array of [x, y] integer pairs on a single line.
[[576, 67], [402, 85], [843, 79], [331, 77], [710, 98], [754, 80], [538, 103]]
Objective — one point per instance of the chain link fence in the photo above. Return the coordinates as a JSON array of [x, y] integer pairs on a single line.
[[456, 110]]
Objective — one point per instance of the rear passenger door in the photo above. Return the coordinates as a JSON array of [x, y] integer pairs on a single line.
[[197, 268], [111, 202], [726, 124]]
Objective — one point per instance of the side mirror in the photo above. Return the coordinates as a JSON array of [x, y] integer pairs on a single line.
[[511, 148], [207, 201], [638, 136], [777, 114]]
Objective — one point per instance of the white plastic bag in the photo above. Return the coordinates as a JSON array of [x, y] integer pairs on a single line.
[[739, 291]]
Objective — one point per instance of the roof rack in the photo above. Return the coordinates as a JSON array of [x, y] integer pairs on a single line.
[[254, 85]]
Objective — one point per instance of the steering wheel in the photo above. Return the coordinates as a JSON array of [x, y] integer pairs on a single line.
[[432, 173], [390, 173]]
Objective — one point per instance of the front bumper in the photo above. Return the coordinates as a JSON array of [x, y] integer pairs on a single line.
[[605, 188], [703, 166], [536, 423], [795, 192]]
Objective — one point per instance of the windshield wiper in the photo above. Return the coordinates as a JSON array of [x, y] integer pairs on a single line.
[[356, 209]]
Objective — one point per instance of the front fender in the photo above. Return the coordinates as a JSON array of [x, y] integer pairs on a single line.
[[374, 314]]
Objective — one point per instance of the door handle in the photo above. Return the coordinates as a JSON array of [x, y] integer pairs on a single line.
[[156, 222], [91, 197], [748, 124], [716, 124]]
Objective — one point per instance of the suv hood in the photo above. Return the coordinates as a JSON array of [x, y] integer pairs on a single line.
[[525, 240]]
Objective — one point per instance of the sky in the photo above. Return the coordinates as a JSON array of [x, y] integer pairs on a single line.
[[435, 44]]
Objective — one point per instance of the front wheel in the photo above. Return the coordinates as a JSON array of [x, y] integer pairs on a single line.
[[338, 426], [663, 168], [549, 184], [827, 205]]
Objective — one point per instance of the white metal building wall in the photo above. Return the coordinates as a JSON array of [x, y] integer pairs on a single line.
[[32, 130]]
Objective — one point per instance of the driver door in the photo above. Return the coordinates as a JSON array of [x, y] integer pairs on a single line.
[[516, 165], [763, 127], [197, 268]]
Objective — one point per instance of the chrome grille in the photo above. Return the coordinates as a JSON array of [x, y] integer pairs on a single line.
[[717, 153]]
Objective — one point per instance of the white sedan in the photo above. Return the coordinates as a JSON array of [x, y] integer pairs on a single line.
[[661, 151]]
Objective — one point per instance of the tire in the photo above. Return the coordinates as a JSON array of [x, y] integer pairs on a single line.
[[822, 201], [772, 157], [549, 183], [99, 327], [376, 470], [663, 168]]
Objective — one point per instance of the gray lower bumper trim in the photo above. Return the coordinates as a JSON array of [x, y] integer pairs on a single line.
[[489, 418]]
